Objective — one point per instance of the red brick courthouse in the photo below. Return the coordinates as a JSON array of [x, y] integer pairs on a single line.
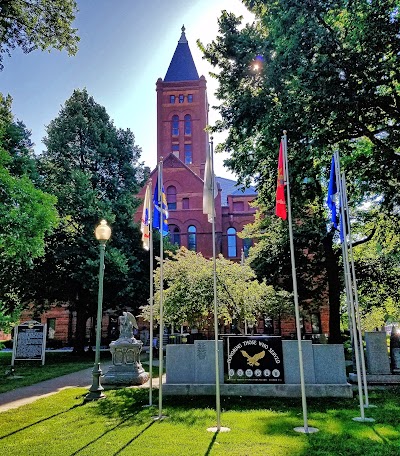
[[182, 144]]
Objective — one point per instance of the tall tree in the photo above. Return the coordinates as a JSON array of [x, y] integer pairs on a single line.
[[189, 295], [37, 24], [93, 168], [328, 72], [27, 214]]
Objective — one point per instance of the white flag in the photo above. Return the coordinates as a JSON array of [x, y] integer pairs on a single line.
[[145, 224], [209, 185]]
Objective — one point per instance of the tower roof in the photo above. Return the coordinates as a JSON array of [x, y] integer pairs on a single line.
[[182, 67]]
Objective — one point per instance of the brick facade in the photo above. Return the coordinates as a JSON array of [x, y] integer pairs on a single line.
[[182, 144]]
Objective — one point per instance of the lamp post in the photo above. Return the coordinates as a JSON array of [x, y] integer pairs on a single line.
[[102, 233]]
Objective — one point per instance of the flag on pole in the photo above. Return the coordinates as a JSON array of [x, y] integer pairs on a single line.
[[280, 207], [145, 224], [332, 192], [157, 212], [210, 190]]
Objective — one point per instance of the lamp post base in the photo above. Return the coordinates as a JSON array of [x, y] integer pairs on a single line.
[[96, 390]]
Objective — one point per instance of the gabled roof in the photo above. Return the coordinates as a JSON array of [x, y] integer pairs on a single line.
[[182, 67], [231, 187]]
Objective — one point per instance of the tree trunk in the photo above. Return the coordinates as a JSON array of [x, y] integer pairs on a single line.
[[332, 270], [80, 332]]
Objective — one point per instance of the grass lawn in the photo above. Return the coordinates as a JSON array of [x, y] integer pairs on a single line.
[[119, 425], [56, 364]]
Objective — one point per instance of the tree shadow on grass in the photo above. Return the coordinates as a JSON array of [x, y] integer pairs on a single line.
[[126, 404], [338, 433]]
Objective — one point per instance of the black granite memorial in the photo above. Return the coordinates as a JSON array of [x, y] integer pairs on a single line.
[[253, 359]]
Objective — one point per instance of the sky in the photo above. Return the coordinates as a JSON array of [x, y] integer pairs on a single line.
[[125, 46]]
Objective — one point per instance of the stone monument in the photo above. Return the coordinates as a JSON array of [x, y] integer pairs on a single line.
[[126, 369], [378, 362]]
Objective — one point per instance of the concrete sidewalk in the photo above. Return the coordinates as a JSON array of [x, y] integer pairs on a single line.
[[28, 394]]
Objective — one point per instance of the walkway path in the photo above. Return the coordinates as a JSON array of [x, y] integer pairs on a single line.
[[29, 394]]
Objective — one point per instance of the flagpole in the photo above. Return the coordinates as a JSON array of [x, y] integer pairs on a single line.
[[161, 348], [305, 429], [218, 428], [242, 264], [340, 183], [355, 291], [151, 298]]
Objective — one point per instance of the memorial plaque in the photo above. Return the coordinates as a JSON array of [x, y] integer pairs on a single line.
[[29, 342], [253, 359]]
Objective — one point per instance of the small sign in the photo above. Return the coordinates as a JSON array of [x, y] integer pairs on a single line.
[[253, 359], [29, 342]]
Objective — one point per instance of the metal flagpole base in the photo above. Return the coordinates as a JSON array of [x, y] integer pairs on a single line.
[[216, 429], [360, 419], [303, 430], [370, 406], [96, 390], [159, 418]]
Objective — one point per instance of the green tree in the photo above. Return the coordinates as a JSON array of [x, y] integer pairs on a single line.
[[37, 24], [378, 274], [93, 168], [328, 73], [27, 214], [189, 292]]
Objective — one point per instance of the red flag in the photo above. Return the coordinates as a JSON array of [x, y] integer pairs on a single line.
[[280, 208]]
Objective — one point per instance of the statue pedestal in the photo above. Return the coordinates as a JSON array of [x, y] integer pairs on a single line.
[[127, 369]]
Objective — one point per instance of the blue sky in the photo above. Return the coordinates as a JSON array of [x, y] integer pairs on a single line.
[[125, 46]]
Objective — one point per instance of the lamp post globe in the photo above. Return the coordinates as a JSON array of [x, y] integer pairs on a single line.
[[102, 234]]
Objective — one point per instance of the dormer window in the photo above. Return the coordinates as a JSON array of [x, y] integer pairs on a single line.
[[175, 150]]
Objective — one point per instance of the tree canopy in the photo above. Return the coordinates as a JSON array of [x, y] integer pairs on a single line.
[[328, 73], [37, 24], [189, 292], [27, 214], [94, 171]]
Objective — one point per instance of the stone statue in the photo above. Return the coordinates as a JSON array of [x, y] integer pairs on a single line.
[[126, 368], [126, 324]]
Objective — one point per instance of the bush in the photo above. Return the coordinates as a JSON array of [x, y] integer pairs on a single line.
[[6, 344], [54, 344]]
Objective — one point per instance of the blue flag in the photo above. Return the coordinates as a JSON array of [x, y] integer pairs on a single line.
[[332, 192], [157, 212]]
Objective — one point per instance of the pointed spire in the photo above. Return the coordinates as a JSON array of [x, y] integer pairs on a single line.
[[182, 67], [183, 39]]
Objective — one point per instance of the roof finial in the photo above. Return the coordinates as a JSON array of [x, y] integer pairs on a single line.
[[183, 36]]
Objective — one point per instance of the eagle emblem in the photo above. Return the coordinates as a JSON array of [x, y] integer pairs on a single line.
[[253, 360]]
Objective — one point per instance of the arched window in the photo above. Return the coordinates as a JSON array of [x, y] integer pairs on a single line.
[[231, 234], [175, 126], [247, 243], [171, 197], [192, 238], [174, 235], [188, 124]]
